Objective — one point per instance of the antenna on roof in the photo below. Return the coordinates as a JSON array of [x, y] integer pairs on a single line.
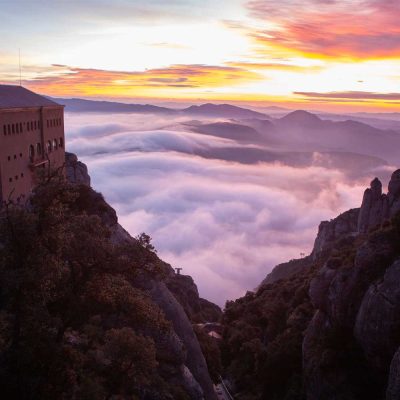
[[20, 73]]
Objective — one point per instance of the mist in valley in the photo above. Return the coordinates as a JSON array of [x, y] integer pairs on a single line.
[[228, 198]]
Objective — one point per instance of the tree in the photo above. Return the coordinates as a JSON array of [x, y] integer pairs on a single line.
[[145, 240]]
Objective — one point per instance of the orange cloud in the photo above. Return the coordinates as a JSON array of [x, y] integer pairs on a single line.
[[275, 66], [64, 80], [356, 29]]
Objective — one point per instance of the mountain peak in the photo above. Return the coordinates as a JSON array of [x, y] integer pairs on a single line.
[[301, 117], [223, 110]]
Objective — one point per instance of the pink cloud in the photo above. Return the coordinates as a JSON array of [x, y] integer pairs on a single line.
[[343, 29]]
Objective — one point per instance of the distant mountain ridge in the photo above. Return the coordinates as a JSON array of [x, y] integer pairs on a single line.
[[223, 110], [83, 105], [208, 109]]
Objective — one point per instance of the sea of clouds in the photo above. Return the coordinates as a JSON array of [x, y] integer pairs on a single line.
[[227, 224]]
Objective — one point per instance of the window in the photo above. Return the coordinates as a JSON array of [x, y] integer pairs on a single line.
[[55, 144], [5, 130], [35, 125], [31, 152], [22, 174], [39, 149], [20, 127], [9, 129], [9, 179], [61, 142], [9, 158], [17, 128], [13, 128], [15, 156], [49, 146]]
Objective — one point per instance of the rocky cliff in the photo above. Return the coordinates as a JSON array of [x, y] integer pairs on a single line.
[[326, 326]]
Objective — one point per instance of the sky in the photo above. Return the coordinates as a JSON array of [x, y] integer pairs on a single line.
[[331, 55]]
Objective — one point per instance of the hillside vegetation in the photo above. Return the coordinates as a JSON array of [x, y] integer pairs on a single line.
[[326, 326], [81, 313]]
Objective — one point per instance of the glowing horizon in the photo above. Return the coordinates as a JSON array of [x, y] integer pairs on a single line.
[[330, 55]]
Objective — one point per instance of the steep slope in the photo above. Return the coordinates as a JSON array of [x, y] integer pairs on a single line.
[[84, 311], [326, 326]]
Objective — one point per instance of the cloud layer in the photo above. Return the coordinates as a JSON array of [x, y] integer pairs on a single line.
[[225, 223]]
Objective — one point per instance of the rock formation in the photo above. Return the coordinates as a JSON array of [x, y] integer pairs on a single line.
[[76, 171], [377, 207], [197, 309], [346, 328], [330, 231]]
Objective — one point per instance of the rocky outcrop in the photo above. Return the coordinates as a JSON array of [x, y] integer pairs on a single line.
[[374, 207], [357, 297], [394, 193], [197, 309], [76, 171], [337, 310], [286, 270], [377, 327], [377, 207], [330, 231]]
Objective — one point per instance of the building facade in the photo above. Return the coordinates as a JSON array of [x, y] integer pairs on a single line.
[[31, 137]]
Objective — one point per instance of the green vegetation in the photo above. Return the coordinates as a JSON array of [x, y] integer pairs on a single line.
[[73, 323]]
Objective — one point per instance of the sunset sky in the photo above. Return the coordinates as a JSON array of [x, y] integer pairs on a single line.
[[316, 54]]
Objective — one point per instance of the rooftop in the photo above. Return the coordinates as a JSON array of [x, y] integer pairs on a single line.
[[12, 96]]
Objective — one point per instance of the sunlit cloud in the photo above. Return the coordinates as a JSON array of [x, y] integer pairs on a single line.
[[206, 51], [64, 80], [356, 29]]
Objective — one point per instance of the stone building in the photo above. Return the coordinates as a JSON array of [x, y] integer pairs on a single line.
[[31, 137]]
